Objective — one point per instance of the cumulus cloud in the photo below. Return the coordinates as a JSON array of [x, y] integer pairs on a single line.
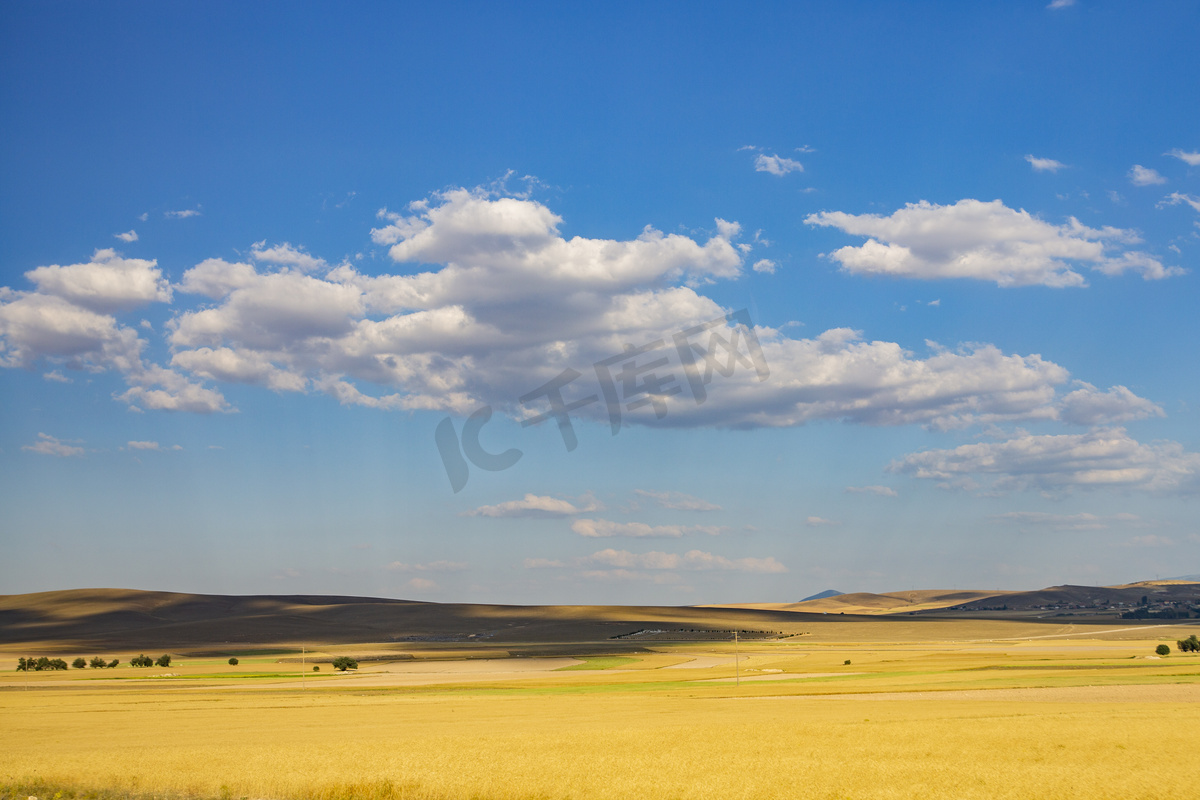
[[1090, 406], [510, 305], [1044, 164], [984, 241], [286, 255], [1192, 159], [48, 445], [184, 214], [538, 507], [776, 165], [142, 445], [1144, 176], [882, 491], [57, 377], [69, 320], [677, 501], [1106, 458], [128, 236], [691, 560], [820, 522], [765, 265], [603, 528], [106, 284]]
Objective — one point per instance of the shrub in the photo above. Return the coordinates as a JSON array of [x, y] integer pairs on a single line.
[[1163, 650], [316, 668], [99, 663], [233, 662], [344, 663], [79, 663], [114, 663], [163, 661]]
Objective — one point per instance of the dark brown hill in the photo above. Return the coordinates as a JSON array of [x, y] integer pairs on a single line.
[[121, 618]]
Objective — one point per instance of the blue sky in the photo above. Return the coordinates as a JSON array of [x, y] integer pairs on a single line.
[[254, 258]]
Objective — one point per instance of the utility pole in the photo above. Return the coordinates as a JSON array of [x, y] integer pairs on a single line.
[[303, 666], [737, 669]]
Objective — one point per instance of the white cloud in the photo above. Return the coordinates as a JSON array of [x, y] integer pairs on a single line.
[[1056, 4], [678, 501], [128, 236], [1107, 458], [159, 389], [1089, 406], [57, 377], [776, 165], [443, 342], [985, 241], [603, 528], [142, 445], [1191, 159], [882, 491], [820, 522], [1044, 164], [106, 284], [1144, 176], [765, 265], [287, 256], [432, 566], [538, 507], [184, 214], [513, 306], [238, 366], [48, 445], [1175, 198], [691, 560]]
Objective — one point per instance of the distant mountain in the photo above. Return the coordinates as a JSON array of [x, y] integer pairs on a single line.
[[1186, 578], [822, 595]]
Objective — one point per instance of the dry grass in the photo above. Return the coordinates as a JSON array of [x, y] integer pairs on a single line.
[[638, 732]]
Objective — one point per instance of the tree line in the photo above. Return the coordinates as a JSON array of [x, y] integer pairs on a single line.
[[45, 664]]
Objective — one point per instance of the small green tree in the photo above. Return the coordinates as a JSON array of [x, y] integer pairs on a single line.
[[316, 668], [114, 663], [99, 663], [1163, 650], [142, 661], [233, 662], [1189, 645], [344, 663], [163, 661], [79, 663]]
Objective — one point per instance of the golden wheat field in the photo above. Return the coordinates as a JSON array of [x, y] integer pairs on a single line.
[[1065, 718]]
